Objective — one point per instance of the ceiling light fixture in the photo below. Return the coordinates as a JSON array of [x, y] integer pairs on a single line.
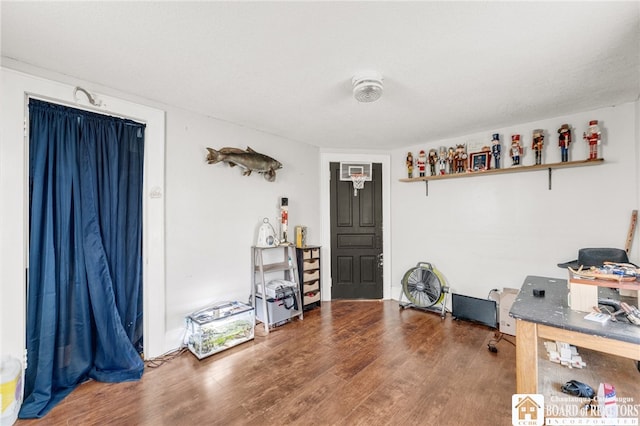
[[367, 86]]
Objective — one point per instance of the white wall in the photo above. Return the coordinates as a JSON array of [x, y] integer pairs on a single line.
[[492, 231], [212, 212]]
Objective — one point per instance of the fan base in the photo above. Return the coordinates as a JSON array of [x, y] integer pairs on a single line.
[[442, 310]]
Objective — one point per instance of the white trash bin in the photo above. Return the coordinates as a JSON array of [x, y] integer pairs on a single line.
[[10, 389]]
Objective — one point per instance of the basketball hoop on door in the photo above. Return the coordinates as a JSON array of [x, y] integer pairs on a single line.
[[358, 182], [357, 173]]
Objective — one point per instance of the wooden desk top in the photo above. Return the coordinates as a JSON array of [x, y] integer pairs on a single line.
[[552, 310]]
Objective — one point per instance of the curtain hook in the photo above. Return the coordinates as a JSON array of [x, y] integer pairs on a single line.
[[92, 100]]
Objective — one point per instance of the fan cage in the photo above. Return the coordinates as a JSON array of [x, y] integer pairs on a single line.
[[423, 286]]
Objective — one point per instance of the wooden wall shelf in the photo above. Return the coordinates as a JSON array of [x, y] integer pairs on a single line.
[[516, 169]]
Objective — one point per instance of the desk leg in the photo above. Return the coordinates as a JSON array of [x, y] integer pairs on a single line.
[[526, 357]]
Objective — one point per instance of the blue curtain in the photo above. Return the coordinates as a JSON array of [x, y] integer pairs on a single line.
[[84, 298]]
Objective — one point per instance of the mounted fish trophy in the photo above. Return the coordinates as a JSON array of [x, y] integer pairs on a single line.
[[248, 160], [357, 173]]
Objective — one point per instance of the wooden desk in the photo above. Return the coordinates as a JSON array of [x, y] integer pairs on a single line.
[[549, 317]]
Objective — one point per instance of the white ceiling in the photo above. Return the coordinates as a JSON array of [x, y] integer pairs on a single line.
[[450, 68]]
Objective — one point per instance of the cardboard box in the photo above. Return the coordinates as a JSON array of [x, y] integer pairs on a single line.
[[582, 297], [507, 323]]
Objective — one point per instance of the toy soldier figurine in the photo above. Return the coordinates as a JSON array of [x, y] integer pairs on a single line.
[[433, 159], [516, 150], [461, 159], [496, 149], [564, 140], [451, 155], [410, 165], [422, 161], [442, 160], [538, 144], [593, 137]]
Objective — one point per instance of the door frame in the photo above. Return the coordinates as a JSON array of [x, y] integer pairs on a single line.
[[325, 219]]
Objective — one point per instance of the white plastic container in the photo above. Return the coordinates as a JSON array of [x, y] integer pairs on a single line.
[[10, 389]]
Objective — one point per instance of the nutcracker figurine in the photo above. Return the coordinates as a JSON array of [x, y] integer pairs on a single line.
[[564, 140], [422, 161], [516, 150], [461, 158], [433, 159], [592, 136], [496, 149], [451, 155], [442, 160], [537, 144], [410, 165]]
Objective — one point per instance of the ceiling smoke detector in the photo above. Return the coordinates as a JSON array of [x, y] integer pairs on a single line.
[[367, 86]]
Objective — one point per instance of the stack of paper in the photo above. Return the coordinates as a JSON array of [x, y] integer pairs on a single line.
[[564, 354]]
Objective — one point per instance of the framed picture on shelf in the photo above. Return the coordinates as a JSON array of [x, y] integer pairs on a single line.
[[480, 161]]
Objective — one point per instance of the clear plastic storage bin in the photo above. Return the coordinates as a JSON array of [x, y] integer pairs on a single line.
[[219, 327]]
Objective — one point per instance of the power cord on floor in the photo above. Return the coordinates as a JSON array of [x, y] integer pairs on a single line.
[[491, 346], [164, 358], [172, 354]]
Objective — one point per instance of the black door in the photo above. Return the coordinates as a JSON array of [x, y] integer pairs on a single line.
[[356, 237]]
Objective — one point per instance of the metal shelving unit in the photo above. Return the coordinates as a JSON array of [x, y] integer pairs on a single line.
[[262, 266]]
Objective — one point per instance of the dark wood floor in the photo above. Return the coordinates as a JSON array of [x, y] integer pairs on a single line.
[[347, 363]]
